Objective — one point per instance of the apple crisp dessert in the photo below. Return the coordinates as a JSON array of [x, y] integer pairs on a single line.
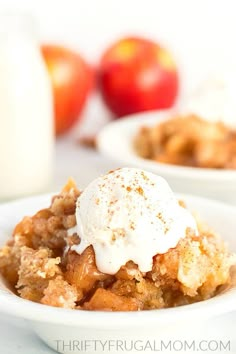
[[40, 265], [188, 141]]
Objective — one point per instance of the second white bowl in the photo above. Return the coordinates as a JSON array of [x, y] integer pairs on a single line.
[[116, 141]]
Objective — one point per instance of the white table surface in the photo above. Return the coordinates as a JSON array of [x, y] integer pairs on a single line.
[[83, 164], [17, 338]]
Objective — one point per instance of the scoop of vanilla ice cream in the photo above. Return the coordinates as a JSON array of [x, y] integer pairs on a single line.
[[129, 214], [215, 100]]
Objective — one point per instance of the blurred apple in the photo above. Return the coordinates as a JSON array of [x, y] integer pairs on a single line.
[[136, 75], [72, 80]]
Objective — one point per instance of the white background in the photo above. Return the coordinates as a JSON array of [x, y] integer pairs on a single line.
[[200, 33]]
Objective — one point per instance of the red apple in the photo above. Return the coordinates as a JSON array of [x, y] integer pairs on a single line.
[[136, 75], [72, 80]]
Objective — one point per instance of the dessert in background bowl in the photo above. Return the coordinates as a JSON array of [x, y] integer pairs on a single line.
[[125, 243], [188, 140], [177, 144], [203, 136]]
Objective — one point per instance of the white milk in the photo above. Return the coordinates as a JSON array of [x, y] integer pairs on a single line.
[[26, 112]]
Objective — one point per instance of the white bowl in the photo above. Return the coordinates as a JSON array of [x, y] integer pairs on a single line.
[[54, 325], [116, 141]]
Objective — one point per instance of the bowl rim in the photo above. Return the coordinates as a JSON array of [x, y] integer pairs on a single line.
[[220, 304], [36, 312], [117, 131]]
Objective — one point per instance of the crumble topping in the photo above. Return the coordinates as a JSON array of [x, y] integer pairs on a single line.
[[35, 264]]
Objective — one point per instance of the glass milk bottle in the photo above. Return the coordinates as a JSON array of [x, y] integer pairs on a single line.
[[26, 111]]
